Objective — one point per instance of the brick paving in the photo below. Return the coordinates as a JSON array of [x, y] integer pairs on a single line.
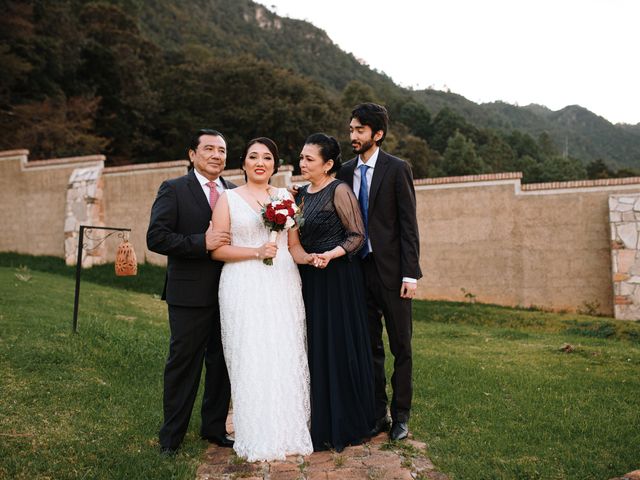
[[378, 459]]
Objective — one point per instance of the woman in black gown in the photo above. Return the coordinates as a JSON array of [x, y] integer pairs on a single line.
[[340, 362]]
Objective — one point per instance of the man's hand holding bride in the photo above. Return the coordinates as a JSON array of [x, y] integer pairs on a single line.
[[215, 238]]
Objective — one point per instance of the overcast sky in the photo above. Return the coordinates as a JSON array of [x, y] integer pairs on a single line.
[[550, 52]]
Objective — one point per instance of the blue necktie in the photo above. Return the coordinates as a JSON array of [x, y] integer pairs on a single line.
[[363, 200]]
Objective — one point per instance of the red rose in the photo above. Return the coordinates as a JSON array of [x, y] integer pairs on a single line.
[[270, 213], [290, 211], [281, 219]]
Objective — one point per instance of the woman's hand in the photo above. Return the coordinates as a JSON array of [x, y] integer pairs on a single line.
[[321, 260], [268, 250]]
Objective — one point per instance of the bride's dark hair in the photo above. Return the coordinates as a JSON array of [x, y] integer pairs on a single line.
[[329, 149], [267, 142]]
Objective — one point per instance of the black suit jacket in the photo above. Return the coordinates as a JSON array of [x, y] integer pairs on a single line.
[[393, 227], [179, 219]]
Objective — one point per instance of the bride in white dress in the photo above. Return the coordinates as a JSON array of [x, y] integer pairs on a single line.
[[262, 319]]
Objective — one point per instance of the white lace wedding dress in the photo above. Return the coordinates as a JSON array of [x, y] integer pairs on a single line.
[[263, 335]]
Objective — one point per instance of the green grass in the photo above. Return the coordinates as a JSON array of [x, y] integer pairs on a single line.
[[150, 278], [495, 397], [86, 405]]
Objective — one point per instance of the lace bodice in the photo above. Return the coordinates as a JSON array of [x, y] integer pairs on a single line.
[[331, 217]]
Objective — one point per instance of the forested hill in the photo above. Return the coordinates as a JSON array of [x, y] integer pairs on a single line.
[[573, 129], [242, 27], [133, 78]]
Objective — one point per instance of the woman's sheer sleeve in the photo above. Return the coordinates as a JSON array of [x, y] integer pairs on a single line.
[[348, 211]]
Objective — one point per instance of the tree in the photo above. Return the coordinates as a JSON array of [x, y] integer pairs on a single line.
[[57, 128], [523, 144], [244, 99], [547, 146], [355, 93], [445, 125], [559, 169], [496, 153], [423, 160], [598, 169], [16, 41], [460, 157], [530, 167], [120, 66], [416, 116]]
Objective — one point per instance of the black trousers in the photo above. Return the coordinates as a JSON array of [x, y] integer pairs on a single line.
[[382, 302], [195, 338]]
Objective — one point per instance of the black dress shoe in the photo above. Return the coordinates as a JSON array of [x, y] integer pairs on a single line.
[[222, 441], [399, 431], [168, 451], [382, 425]]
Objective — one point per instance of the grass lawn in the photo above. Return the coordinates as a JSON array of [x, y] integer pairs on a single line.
[[85, 406], [495, 397]]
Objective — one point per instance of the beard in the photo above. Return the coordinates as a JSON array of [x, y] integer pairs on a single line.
[[358, 150]]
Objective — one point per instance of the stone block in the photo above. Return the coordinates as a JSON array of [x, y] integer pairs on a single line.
[[85, 174], [627, 312], [436, 476], [616, 244], [622, 300], [628, 234], [620, 277], [348, 474], [70, 224], [357, 451], [626, 259], [317, 476], [624, 288], [634, 269], [422, 464]]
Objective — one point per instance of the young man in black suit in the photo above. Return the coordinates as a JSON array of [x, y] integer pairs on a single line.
[[180, 227], [384, 187]]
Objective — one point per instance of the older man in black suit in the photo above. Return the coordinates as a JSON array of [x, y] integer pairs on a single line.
[[384, 187], [180, 227]]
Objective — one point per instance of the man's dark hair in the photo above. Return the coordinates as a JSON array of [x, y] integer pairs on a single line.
[[195, 139], [374, 116]]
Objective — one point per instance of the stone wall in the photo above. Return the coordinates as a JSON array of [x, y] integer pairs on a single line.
[[45, 202], [484, 237], [491, 239], [33, 196], [624, 217]]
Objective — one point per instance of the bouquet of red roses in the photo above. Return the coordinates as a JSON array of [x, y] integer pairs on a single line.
[[280, 214]]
